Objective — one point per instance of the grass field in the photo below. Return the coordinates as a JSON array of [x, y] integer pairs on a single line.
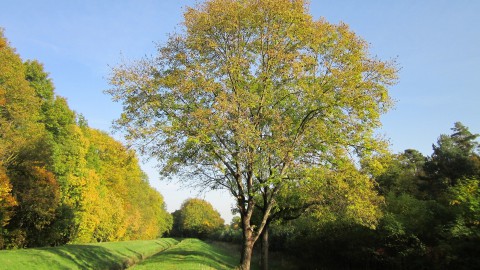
[[165, 253], [112, 255]]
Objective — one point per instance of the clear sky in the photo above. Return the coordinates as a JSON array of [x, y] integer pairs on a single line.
[[435, 42]]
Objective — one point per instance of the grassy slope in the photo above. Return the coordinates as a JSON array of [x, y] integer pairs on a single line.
[[112, 255], [192, 254], [164, 253]]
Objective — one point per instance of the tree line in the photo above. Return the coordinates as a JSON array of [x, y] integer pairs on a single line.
[[60, 180], [430, 215]]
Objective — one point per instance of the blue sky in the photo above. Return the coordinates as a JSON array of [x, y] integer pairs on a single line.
[[435, 42]]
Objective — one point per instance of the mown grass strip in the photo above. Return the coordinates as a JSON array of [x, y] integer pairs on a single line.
[[191, 254], [111, 255]]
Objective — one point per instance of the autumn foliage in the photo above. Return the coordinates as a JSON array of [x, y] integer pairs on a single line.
[[60, 180], [252, 96]]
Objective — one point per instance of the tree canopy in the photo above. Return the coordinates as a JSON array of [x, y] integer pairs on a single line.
[[60, 180], [249, 95]]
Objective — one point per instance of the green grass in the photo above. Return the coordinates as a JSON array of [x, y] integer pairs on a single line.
[[111, 255], [192, 254], [163, 253]]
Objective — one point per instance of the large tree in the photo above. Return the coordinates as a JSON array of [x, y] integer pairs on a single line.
[[250, 95], [455, 156]]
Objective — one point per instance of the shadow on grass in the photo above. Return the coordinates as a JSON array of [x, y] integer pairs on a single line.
[[89, 257], [110, 255]]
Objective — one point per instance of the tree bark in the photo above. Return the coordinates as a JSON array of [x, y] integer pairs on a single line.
[[264, 253], [246, 255], [247, 243], [243, 248]]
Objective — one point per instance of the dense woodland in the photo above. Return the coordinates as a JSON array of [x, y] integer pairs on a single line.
[[60, 180], [430, 215]]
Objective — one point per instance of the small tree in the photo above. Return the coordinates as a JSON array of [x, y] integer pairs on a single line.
[[197, 218], [249, 96]]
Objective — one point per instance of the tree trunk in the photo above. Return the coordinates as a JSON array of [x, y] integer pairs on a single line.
[[243, 248], [244, 240], [246, 255], [264, 254]]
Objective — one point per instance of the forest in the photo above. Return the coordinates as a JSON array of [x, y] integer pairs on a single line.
[[261, 100], [62, 181], [430, 213]]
